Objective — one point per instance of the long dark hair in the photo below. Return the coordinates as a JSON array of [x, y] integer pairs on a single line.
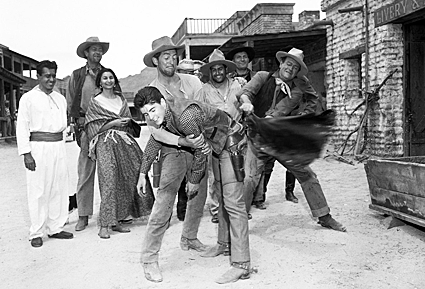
[[117, 87]]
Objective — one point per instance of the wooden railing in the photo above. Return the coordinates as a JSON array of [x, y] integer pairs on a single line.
[[205, 26]]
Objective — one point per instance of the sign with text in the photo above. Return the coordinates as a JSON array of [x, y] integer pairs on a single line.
[[396, 10]]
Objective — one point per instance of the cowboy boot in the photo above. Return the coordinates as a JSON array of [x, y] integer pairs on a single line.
[[217, 250], [237, 271], [152, 272], [289, 187], [328, 222], [194, 244]]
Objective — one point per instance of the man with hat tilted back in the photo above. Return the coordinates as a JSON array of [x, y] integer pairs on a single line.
[[186, 66], [242, 56], [220, 92], [174, 151], [81, 89], [278, 94]]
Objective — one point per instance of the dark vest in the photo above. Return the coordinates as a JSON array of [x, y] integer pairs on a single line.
[[264, 98], [215, 126], [79, 77]]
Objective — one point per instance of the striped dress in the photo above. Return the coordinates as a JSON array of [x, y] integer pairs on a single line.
[[118, 158]]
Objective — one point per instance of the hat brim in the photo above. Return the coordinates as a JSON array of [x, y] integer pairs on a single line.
[[249, 50], [83, 46], [303, 68], [205, 69], [147, 60]]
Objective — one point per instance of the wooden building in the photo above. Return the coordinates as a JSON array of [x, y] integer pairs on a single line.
[[17, 76]]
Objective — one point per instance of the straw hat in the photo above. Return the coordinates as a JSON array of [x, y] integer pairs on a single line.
[[186, 64], [217, 57], [89, 42], [197, 64], [249, 50], [298, 56], [159, 45]]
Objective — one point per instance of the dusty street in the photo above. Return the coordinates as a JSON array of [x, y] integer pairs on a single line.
[[287, 246]]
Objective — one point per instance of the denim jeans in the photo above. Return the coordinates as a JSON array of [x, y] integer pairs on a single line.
[[86, 173], [175, 165], [305, 176], [213, 188], [232, 216], [253, 182]]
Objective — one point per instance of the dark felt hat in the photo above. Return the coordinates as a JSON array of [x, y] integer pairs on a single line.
[[249, 50]]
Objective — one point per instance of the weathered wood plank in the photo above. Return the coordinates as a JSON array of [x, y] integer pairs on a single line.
[[397, 214], [402, 202], [404, 175]]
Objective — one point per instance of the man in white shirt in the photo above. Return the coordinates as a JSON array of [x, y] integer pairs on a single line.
[[41, 123]]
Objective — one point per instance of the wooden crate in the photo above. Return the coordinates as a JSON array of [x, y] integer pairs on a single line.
[[397, 187]]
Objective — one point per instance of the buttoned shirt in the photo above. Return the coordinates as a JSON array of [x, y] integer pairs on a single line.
[[227, 102]]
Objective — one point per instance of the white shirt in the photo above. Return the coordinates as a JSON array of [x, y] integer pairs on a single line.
[[40, 112]]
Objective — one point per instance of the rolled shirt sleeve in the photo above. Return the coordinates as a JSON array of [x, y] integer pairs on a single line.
[[23, 126]]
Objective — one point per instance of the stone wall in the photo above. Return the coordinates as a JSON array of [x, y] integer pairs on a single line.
[[344, 77]]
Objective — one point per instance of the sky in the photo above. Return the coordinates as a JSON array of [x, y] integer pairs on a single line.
[[42, 29]]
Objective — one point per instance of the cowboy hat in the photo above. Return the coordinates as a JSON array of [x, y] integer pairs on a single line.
[[197, 64], [186, 64], [217, 57], [249, 50], [89, 42], [159, 45], [298, 56]]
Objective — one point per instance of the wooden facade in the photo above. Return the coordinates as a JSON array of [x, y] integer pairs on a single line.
[[17, 76]]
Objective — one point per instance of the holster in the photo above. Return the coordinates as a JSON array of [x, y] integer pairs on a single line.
[[78, 129], [234, 145], [156, 173]]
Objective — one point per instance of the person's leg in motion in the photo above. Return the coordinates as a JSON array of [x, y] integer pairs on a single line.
[[173, 170], [289, 187], [235, 212]]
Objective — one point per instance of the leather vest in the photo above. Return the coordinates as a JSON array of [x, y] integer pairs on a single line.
[[264, 97], [79, 77], [215, 127]]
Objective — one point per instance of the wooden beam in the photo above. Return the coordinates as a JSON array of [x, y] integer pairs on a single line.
[[399, 215], [353, 53]]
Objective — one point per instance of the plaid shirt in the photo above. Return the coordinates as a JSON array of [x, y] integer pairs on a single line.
[[189, 120]]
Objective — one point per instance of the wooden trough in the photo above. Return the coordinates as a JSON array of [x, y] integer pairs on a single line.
[[397, 187]]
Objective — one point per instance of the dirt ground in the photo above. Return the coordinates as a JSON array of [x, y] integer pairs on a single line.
[[287, 246]]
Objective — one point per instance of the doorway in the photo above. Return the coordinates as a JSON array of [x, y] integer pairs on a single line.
[[415, 88]]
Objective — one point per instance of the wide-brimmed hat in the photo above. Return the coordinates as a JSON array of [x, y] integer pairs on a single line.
[[249, 50], [89, 42], [159, 45], [197, 64], [298, 56], [217, 57], [186, 64]]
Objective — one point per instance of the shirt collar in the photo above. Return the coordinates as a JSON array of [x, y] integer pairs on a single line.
[[88, 68]]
